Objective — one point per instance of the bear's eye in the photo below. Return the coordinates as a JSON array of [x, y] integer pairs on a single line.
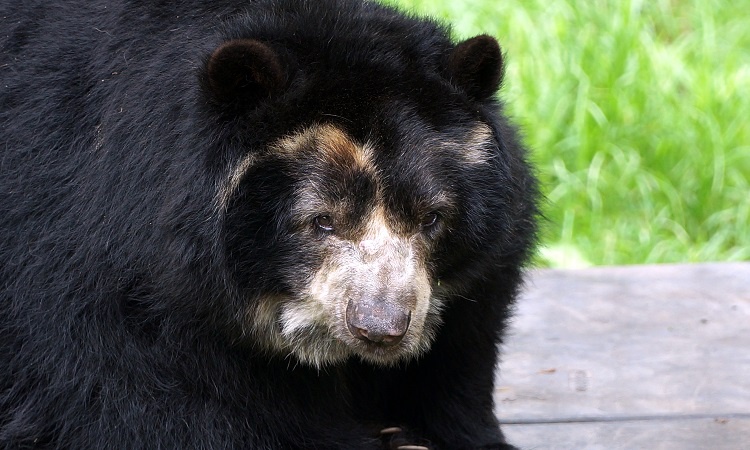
[[324, 222], [429, 220]]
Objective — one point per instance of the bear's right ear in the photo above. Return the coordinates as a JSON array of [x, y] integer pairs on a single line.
[[476, 65], [244, 71]]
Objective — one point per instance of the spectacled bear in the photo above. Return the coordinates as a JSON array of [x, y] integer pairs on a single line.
[[268, 224]]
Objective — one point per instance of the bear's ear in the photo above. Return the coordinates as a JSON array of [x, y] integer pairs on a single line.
[[476, 65], [244, 71]]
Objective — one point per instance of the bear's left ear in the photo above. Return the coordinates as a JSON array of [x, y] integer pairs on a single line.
[[476, 65], [243, 71]]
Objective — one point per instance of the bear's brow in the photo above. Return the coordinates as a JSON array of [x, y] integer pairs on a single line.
[[329, 142]]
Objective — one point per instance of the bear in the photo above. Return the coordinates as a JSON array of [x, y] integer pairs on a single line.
[[268, 224]]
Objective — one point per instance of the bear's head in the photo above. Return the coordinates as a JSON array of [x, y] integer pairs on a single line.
[[360, 189]]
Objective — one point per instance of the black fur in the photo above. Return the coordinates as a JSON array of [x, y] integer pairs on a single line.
[[122, 283]]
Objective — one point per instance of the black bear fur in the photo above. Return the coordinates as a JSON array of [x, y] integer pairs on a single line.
[[123, 280]]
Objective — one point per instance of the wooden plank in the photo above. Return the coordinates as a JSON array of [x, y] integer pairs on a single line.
[[686, 434], [660, 343]]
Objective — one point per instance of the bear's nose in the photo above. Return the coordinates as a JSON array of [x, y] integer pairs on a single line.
[[377, 322]]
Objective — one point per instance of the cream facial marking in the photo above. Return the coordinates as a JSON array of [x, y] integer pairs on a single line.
[[474, 147], [331, 143], [380, 272], [233, 181], [477, 145]]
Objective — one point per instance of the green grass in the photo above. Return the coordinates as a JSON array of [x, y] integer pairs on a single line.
[[638, 117]]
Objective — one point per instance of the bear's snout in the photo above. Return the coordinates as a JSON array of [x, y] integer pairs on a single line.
[[376, 321]]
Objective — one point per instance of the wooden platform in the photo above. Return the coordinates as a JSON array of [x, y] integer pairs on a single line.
[[642, 357]]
